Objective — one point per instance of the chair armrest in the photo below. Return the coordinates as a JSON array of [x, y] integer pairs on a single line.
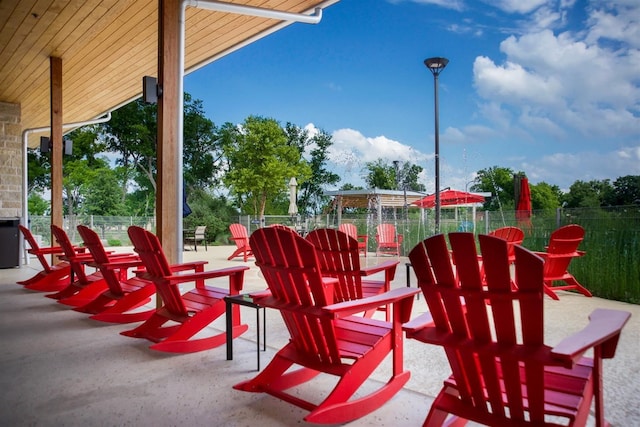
[[194, 265], [236, 275], [125, 263], [46, 251], [400, 237], [383, 266], [347, 308], [603, 330], [422, 321], [364, 237]]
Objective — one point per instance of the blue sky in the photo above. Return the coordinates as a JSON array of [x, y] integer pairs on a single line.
[[550, 88]]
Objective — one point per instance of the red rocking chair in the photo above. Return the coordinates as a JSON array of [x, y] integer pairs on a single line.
[[241, 239], [339, 258], [493, 336], [324, 337], [51, 278], [187, 313], [123, 293], [84, 287]]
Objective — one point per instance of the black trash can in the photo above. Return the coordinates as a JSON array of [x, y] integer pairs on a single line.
[[10, 244]]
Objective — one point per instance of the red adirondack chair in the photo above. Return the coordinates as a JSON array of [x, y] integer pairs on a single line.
[[362, 239], [241, 238], [493, 336], [562, 248], [52, 277], [85, 287], [513, 236], [388, 240], [189, 312], [339, 258], [325, 337], [123, 293]]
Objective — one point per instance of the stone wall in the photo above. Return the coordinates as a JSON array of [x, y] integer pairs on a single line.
[[10, 161]]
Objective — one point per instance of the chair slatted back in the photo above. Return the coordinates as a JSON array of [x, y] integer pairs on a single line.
[[148, 247], [386, 233], [562, 248], [69, 251], [35, 248], [239, 234], [292, 271], [339, 258], [495, 331], [349, 229], [513, 235], [94, 244]]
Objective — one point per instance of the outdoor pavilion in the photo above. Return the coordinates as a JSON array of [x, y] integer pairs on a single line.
[[68, 63], [373, 198]]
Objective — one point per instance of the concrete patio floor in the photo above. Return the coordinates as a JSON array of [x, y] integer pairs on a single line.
[[58, 367]]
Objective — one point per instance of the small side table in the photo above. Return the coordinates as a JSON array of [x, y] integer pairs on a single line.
[[247, 301]]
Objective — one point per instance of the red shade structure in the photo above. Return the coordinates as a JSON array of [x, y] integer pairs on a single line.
[[449, 198], [523, 199]]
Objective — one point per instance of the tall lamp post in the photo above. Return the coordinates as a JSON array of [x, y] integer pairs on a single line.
[[436, 65]]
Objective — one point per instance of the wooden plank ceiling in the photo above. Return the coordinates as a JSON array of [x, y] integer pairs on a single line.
[[106, 47]]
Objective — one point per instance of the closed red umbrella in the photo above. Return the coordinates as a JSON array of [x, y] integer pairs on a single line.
[[523, 207], [449, 198]]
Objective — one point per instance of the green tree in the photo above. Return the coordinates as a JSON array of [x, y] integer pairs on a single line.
[[311, 198], [103, 195], [408, 177], [260, 162], [381, 175], [80, 168], [393, 176], [201, 150], [499, 182], [39, 167], [584, 194], [131, 134], [626, 191], [545, 196], [37, 204]]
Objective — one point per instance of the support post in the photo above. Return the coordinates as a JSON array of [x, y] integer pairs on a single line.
[[168, 200], [55, 81]]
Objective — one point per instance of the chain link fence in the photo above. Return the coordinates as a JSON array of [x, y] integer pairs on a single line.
[[610, 269]]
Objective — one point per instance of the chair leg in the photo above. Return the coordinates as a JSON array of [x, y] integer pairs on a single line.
[[571, 281], [336, 408], [119, 312], [51, 282], [85, 294], [549, 291]]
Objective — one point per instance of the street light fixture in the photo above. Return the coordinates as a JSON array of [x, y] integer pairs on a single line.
[[436, 65]]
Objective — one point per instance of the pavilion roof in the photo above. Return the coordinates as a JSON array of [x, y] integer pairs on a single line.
[[107, 46]]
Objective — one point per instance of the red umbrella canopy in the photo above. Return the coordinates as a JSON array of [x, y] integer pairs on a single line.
[[449, 198]]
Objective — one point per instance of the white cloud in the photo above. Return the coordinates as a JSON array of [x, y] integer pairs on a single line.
[[512, 83], [369, 149], [619, 22], [516, 6], [572, 83], [448, 4], [563, 168]]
